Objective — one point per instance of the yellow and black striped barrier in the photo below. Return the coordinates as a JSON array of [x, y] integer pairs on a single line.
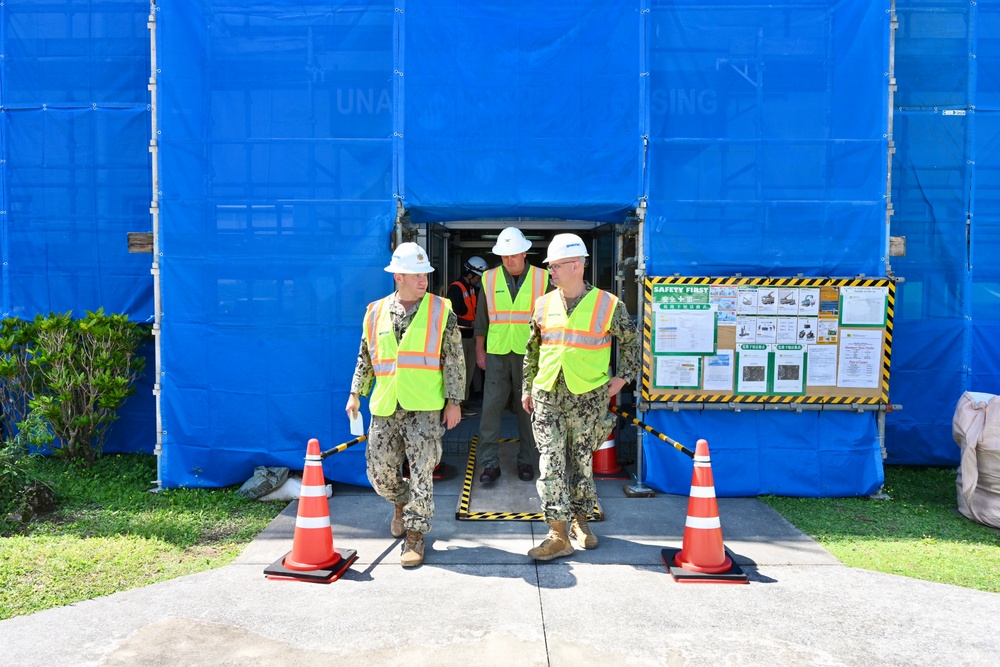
[[340, 448], [649, 429]]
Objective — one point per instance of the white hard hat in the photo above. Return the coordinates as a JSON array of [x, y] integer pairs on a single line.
[[409, 258], [564, 246], [511, 242], [475, 265]]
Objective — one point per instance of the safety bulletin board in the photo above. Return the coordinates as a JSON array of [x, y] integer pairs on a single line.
[[767, 340]]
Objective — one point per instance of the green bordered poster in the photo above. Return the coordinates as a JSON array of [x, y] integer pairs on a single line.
[[685, 320], [864, 306]]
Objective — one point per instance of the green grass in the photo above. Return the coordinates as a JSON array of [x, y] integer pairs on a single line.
[[917, 532], [111, 534]]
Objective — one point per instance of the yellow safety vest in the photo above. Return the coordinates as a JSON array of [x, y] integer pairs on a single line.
[[509, 319], [579, 346], [408, 372]]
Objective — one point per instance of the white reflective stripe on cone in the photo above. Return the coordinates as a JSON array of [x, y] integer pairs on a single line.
[[703, 522], [313, 491], [702, 491], [608, 444], [314, 462], [312, 522]]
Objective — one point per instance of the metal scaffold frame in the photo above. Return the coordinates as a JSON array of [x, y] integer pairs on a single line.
[[154, 210]]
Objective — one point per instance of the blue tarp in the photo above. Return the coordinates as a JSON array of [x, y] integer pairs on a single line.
[[276, 157], [944, 191], [767, 158], [767, 139], [521, 109], [75, 170], [756, 134], [824, 454]]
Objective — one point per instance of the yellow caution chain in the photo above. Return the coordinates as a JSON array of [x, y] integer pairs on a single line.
[[670, 441], [340, 448]]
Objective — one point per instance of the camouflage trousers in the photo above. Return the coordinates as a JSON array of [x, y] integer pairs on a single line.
[[567, 433], [417, 437]]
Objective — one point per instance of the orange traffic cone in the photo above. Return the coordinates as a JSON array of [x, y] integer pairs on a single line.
[[312, 557], [702, 558], [605, 463]]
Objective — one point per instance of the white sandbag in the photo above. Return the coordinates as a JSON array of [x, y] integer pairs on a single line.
[[976, 430], [291, 490]]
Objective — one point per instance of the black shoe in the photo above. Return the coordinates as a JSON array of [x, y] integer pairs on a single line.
[[525, 472], [489, 475]]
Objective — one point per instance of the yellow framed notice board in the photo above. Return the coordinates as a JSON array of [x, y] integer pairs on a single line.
[[767, 340]]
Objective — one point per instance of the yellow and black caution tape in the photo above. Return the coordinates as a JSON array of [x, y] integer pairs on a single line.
[[670, 441], [340, 448]]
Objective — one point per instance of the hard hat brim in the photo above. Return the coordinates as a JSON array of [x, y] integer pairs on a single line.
[[549, 260], [496, 251], [393, 269]]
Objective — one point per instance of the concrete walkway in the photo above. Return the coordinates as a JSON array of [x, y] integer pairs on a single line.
[[479, 600]]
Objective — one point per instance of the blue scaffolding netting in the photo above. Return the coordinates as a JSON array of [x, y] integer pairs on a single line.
[[757, 134]]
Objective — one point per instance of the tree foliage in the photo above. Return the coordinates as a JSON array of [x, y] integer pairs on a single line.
[[73, 373]]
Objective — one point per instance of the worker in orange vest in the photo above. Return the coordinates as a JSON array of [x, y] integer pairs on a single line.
[[463, 294]]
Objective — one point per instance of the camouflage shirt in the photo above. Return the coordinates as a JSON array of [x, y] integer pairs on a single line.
[[452, 357], [622, 329]]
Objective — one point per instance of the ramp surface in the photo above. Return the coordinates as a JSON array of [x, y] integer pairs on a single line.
[[508, 498]]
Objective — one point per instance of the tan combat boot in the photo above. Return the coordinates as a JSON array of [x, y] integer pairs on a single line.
[[413, 549], [580, 531], [396, 526], [555, 545]]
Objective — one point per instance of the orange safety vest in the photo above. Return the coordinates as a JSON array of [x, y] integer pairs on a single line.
[[469, 297], [408, 372], [509, 319], [578, 345]]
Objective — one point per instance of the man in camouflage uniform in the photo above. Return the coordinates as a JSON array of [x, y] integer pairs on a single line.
[[567, 389], [415, 377]]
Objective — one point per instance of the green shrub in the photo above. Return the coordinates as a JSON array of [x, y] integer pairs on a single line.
[[22, 493], [84, 370], [16, 377]]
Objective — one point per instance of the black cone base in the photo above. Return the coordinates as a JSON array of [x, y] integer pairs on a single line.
[[734, 575], [278, 571]]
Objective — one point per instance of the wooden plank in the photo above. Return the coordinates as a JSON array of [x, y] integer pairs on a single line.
[[897, 246], [140, 242]]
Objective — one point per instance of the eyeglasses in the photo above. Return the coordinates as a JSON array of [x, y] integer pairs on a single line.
[[562, 265]]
